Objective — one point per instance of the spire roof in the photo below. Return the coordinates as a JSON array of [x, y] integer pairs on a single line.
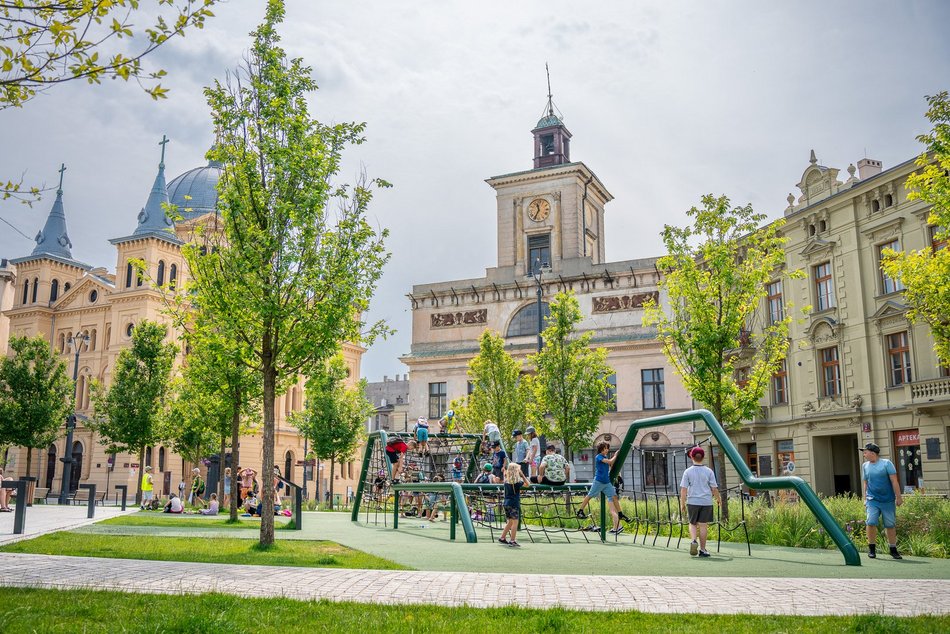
[[549, 118], [152, 218], [53, 239]]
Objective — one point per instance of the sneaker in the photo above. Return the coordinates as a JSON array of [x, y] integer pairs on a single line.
[[693, 549], [514, 545], [616, 531], [581, 515], [872, 552], [894, 553], [703, 553], [502, 540]]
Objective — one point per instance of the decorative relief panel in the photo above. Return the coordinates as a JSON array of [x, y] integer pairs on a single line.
[[618, 303], [467, 318]]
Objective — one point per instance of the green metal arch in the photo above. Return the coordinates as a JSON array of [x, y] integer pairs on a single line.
[[805, 493]]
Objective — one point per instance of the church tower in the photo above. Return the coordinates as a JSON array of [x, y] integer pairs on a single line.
[[552, 216]]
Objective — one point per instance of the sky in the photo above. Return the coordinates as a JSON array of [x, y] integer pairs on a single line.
[[666, 101]]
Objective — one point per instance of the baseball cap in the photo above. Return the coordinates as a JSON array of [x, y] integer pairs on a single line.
[[530, 430], [871, 447], [486, 466], [696, 453], [516, 432], [496, 443], [550, 448]]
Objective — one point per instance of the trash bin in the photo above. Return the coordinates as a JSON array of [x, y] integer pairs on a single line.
[[30, 489]]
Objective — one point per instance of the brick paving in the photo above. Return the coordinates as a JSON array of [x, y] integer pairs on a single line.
[[721, 595], [48, 518]]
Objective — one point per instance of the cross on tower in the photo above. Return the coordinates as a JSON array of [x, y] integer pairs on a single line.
[[163, 142], [62, 168], [550, 96]]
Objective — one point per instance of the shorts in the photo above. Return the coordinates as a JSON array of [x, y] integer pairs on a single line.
[[147, 495], [876, 510], [498, 473], [422, 435], [512, 513], [493, 436], [227, 489], [524, 468], [602, 487], [553, 483], [393, 456], [699, 514]]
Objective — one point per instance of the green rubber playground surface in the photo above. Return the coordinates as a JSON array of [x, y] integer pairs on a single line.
[[424, 545]]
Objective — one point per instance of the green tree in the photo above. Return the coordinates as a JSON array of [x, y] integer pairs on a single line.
[[297, 262], [35, 395], [128, 414], [714, 330], [571, 379], [498, 391], [924, 273], [335, 415]]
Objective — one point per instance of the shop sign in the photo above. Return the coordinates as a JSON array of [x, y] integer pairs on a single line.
[[785, 445], [908, 438]]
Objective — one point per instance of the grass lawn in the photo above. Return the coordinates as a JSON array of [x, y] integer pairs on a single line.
[[220, 550], [34, 610], [149, 518]]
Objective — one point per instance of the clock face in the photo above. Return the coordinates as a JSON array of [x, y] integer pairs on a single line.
[[539, 209]]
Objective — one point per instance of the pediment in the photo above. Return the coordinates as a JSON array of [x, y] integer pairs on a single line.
[[890, 308], [816, 246], [824, 329], [74, 296], [885, 230]]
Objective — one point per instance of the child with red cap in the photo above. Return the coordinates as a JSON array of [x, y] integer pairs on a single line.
[[698, 489]]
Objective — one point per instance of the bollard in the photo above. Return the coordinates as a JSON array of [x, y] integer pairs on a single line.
[[298, 514], [452, 524], [19, 516], [125, 492], [603, 517], [91, 512]]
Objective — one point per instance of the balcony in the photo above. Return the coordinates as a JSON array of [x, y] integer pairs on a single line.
[[929, 393]]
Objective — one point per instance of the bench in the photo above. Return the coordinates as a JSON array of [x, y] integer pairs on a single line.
[[82, 497], [39, 495]]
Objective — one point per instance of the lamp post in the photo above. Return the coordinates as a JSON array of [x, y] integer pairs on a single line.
[[76, 341], [537, 280], [306, 467]]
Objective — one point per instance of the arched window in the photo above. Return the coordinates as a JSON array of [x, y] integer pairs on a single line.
[[148, 456], [172, 275], [66, 287], [888, 200], [26, 290], [77, 466], [62, 343], [53, 291], [289, 466], [525, 321], [160, 278], [128, 274], [36, 287], [875, 205], [161, 458], [92, 339], [50, 466]]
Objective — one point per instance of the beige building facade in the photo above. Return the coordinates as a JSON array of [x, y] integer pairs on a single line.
[[551, 218], [72, 304], [858, 370]]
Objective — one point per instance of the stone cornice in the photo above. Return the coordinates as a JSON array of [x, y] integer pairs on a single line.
[[577, 169]]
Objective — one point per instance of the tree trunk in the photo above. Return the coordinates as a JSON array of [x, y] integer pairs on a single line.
[[235, 452], [267, 468], [221, 466], [138, 485], [332, 465], [29, 460]]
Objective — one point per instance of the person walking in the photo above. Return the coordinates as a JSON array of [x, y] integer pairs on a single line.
[[197, 488], [882, 496], [148, 488], [698, 490], [602, 483]]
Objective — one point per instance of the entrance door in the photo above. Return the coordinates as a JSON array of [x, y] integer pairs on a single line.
[[77, 467], [836, 465], [50, 466]]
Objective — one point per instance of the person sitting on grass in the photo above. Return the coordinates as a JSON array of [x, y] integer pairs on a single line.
[[514, 480], [251, 503], [485, 476], [212, 506], [174, 505], [602, 483], [698, 490]]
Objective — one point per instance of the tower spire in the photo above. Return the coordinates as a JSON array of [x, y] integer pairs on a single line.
[[153, 218], [551, 138], [547, 71], [53, 239]]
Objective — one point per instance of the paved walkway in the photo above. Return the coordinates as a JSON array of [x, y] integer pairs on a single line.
[[48, 518], [805, 597]]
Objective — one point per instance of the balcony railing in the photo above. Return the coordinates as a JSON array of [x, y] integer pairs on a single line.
[[930, 390]]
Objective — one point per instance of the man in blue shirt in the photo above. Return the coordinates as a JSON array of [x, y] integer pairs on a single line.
[[602, 483], [520, 451], [882, 496]]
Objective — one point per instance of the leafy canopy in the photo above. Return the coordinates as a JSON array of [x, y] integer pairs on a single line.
[[713, 329], [571, 380], [924, 273]]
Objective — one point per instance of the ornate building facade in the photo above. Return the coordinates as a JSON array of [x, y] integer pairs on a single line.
[[71, 303], [858, 370], [551, 235]]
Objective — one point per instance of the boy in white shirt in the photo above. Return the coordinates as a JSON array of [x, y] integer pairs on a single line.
[[698, 490]]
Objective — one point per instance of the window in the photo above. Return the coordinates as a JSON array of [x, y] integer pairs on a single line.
[[824, 286], [93, 296], [172, 275], [161, 458], [898, 358], [471, 388], [128, 274], [875, 205], [611, 394], [652, 388], [148, 456], [830, 372], [539, 252], [66, 287], [741, 377], [938, 237], [436, 400], [774, 300], [36, 287], [888, 200], [129, 329], [909, 469], [780, 385], [160, 278], [53, 291], [655, 469], [525, 321], [888, 284], [26, 290]]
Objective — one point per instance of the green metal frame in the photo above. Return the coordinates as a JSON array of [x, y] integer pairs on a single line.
[[805, 493], [457, 499]]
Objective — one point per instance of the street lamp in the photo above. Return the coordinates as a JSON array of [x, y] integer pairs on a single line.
[[539, 267], [77, 342]]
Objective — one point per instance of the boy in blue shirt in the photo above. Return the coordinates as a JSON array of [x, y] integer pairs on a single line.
[[882, 496], [601, 482]]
